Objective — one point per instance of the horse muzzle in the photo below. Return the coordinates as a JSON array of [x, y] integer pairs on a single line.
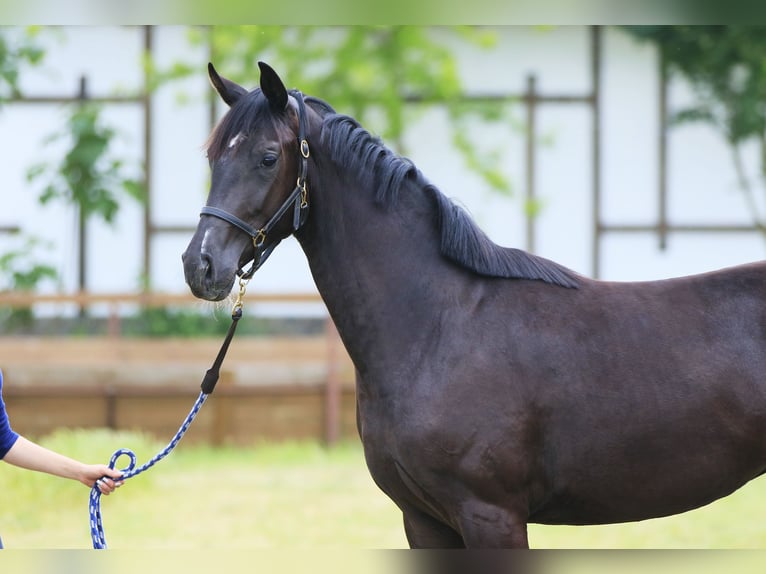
[[205, 279]]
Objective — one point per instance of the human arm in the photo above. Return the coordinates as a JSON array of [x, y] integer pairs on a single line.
[[31, 456]]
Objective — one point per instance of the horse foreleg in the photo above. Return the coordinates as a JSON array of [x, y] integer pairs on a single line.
[[485, 525], [425, 532]]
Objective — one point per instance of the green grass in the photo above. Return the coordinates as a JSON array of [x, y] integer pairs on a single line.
[[267, 496], [294, 495]]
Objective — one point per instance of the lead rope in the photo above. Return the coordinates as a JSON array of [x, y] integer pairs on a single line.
[[208, 385]]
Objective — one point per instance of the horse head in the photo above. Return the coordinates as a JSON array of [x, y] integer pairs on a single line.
[[255, 153]]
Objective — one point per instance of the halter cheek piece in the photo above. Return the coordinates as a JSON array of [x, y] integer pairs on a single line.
[[298, 198]]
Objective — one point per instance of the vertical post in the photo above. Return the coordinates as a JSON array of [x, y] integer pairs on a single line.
[[114, 324], [110, 414], [596, 148], [332, 385], [82, 224], [147, 104], [212, 96], [222, 409], [529, 206], [662, 190]]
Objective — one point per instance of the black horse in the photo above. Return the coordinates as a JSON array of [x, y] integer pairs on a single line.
[[494, 388]]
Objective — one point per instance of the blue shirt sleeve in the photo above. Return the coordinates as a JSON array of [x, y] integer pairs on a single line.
[[7, 436]]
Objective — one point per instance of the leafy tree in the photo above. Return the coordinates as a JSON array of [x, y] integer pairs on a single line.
[[18, 270], [16, 51], [369, 72], [726, 67], [87, 176]]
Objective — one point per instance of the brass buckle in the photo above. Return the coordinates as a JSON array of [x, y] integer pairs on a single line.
[[259, 238], [240, 296], [301, 184]]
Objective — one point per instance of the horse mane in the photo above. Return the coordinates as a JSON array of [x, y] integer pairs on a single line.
[[461, 239], [380, 169]]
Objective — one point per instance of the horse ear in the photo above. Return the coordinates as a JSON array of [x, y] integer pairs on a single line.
[[228, 90], [273, 88]]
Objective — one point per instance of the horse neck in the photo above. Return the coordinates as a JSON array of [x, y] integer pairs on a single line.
[[377, 268]]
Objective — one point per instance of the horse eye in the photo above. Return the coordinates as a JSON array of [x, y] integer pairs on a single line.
[[268, 160]]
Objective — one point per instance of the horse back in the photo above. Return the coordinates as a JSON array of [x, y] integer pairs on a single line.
[[651, 396]]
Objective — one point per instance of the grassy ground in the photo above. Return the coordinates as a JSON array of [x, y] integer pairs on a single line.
[[290, 496]]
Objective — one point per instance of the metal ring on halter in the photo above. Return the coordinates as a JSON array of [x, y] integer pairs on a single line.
[[259, 238]]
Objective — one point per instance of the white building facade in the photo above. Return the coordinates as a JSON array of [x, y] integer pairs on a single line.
[[701, 184]]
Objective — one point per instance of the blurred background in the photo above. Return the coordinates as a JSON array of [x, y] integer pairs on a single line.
[[623, 152]]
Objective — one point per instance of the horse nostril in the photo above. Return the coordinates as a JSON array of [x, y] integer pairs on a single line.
[[206, 265], [198, 267]]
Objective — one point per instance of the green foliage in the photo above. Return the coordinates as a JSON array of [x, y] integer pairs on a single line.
[[485, 163], [726, 67], [18, 269], [19, 272], [211, 322], [15, 53], [165, 322], [362, 70], [368, 72], [87, 176]]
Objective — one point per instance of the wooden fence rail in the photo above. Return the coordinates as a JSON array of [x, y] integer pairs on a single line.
[[116, 303], [283, 387]]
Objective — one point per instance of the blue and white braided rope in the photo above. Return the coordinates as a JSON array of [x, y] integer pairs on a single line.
[[96, 524]]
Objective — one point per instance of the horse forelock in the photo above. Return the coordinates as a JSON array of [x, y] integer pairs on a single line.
[[247, 115], [461, 240]]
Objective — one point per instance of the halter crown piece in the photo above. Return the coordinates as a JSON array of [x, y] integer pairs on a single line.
[[299, 198]]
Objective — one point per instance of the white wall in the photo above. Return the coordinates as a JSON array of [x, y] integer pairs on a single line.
[[701, 179]]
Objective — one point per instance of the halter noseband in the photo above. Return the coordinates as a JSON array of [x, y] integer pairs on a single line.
[[299, 198]]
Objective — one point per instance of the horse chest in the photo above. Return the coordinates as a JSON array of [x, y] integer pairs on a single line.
[[403, 475], [385, 428]]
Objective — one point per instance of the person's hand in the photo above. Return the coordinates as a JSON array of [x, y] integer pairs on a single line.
[[106, 478]]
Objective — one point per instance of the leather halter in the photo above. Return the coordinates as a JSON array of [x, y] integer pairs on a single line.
[[298, 198]]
